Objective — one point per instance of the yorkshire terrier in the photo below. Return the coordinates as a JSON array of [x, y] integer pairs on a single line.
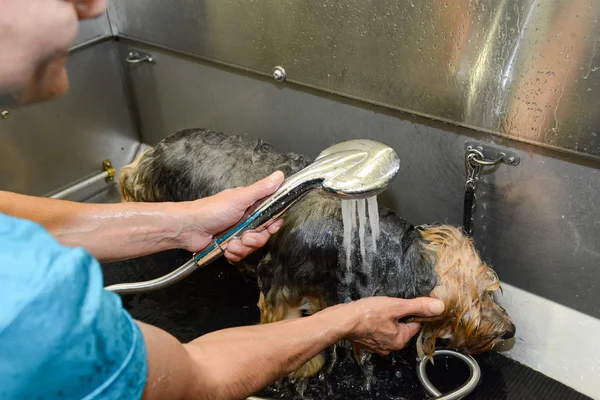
[[303, 268]]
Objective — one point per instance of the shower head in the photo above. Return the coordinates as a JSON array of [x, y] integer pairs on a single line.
[[366, 168], [354, 169]]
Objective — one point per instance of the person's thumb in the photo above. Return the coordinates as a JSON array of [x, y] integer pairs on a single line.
[[422, 307], [261, 189]]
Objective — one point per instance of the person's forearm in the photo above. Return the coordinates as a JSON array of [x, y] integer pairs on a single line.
[[236, 363], [107, 231]]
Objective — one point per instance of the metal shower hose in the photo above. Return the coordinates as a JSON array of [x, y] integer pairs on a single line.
[[457, 394]]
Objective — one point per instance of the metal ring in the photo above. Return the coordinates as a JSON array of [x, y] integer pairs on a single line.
[[472, 159], [456, 394], [135, 57], [218, 245]]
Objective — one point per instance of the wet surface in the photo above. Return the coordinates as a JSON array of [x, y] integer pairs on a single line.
[[219, 296]]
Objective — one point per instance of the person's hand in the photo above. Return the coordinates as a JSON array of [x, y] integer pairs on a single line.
[[36, 36], [209, 216], [89, 8], [376, 325]]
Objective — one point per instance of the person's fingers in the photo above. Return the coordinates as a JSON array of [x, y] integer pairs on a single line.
[[423, 307], [89, 8], [255, 240], [250, 194], [232, 257], [407, 331], [275, 226]]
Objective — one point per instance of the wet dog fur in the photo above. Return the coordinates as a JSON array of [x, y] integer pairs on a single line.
[[302, 268]]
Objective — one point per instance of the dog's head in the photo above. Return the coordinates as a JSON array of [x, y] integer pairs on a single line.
[[133, 187], [472, 321]]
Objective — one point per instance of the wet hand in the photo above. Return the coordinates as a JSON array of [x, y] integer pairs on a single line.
[[377, 327], [212, 215]]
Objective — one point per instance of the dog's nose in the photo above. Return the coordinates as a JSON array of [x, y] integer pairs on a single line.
[[510, 332]]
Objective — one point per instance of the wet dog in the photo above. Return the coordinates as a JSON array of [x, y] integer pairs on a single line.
[[304, 268]]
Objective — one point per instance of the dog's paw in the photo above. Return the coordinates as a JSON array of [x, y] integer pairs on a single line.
[[311, 367]]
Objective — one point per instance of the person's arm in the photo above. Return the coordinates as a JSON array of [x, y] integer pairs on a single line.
[[125, 230], [236, 363]]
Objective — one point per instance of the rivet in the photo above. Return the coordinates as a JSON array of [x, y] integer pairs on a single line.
[[5, 114], [279, 74]]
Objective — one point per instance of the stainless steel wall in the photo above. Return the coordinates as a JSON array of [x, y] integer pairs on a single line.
[[47, 146], [525, 69], [92, 30], [537, 223]]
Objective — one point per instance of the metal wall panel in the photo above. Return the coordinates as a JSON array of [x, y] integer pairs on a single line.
[[537, 223], [47, 146], [93, 29], [525, 69]]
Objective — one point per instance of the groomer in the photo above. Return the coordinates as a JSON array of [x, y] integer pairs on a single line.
[[62, 336]]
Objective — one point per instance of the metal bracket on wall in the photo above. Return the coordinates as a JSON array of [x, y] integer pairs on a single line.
[[108, 175], [137, 57], [478, 156]]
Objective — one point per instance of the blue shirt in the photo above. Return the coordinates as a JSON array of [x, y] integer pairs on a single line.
[[62, 336]]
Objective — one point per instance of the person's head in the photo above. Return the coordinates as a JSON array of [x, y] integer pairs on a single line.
[[35, 37]]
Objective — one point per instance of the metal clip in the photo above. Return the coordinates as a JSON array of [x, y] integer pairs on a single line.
[[107, 165], [478, 156], [136, 57]]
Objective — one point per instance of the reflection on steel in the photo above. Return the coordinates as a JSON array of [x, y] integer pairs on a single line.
[[461, 392], [525, 69], [107, 175]]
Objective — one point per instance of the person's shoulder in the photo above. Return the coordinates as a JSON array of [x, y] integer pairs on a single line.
[[33, 261], [57, 317], [36, 268]]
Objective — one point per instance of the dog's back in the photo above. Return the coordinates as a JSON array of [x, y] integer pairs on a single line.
[[307, 255], [197, 163]]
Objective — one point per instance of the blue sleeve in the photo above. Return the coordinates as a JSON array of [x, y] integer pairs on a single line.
[[62, 336]]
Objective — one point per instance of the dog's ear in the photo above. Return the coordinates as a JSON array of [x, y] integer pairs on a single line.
[[126, 183], [128, 178]]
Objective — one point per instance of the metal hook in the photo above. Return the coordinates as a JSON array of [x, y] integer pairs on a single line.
[[461, 392], [482, 162], [136, 57]]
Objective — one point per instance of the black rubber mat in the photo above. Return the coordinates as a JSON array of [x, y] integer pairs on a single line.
[[218, 297]]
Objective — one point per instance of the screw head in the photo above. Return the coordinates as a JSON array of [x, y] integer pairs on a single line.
[[279, 74], [510, 160], [5, 114]]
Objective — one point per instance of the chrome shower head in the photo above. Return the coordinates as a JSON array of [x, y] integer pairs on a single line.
[[367, 168], [354, 169]]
